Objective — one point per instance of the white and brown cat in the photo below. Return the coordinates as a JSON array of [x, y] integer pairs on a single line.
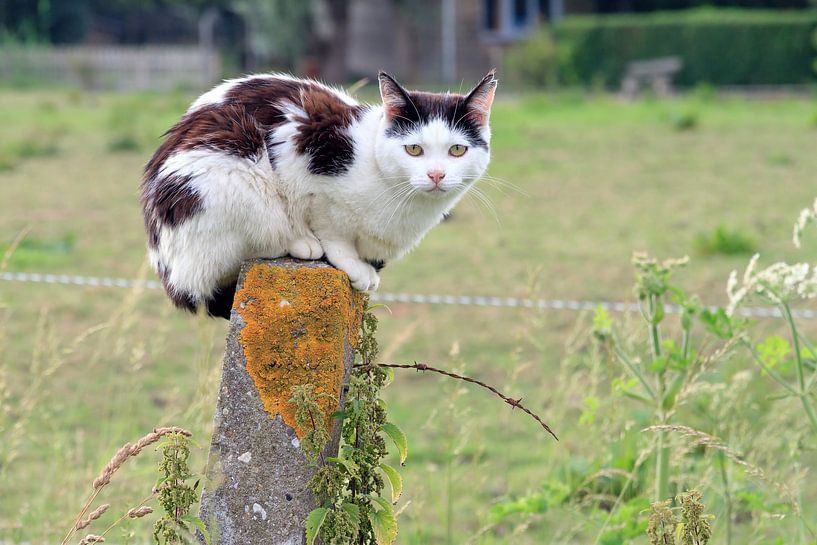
[[270, 165]]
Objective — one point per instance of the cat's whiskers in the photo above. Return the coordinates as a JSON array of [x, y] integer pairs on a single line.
[[408, 196], [404, 198], [485, 202], [387, 189], [397, 198], [499, 183]]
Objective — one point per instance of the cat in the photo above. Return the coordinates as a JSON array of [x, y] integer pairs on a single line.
[[270, 165]]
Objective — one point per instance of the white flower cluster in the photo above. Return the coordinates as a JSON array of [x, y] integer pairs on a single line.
[[807, 216], [779, 283]]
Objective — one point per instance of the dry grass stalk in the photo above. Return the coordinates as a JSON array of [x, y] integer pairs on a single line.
[[91, 538], [706, 440], [13, 247], [127, 450], [139, 512], [95, 514]]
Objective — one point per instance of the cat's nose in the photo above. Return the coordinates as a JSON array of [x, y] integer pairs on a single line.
[[436, 176]]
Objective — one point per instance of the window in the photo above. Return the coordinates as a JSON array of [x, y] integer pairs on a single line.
[[520, 13], [492, 19], [509, 20]]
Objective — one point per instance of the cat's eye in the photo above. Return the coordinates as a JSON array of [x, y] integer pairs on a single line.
[[457, 150], [414, 150]]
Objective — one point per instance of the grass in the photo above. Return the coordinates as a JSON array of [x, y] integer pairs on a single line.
[[86, 369], [725, 241]]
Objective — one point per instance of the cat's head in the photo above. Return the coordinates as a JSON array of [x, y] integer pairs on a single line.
[[438, 142]]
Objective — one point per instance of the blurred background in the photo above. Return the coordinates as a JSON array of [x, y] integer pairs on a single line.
[[676, 127]]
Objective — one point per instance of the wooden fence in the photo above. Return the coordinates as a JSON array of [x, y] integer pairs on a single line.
[[124, 68]]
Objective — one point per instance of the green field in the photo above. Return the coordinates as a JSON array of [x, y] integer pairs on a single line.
[[84, 369]]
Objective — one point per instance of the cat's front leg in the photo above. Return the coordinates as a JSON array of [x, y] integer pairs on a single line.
[[306, 246], [344, 256]]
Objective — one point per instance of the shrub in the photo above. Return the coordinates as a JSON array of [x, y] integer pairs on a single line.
[[684, 120], [717, 46], [539, 62], [724, 241], [124, 142]]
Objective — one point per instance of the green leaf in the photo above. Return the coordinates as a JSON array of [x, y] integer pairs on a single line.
[[658, 365], [773, 351], [591, 404], [354, 512], [395, 480], [658, 315], [672, 391], [160, 481], [314, 522], [351, 508], [718, 323], [399, 439], [197, 522], [384, 524], [350, 465]]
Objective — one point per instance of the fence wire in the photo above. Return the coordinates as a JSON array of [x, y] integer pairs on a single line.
[[415, 298]]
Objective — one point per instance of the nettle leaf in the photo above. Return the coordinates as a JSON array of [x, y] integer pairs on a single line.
[[384, 523], [350, 465], [354, 511], [395, 480], [399, 438], [199, 524], [314, 522]]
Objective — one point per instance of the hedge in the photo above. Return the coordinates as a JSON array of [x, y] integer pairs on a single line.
[[717, 46]]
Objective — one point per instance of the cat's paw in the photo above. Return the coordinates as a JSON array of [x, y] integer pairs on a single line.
[[306, 247], [362, 275]]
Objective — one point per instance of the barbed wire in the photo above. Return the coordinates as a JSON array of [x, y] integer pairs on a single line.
[[415, 298], [514, 403]]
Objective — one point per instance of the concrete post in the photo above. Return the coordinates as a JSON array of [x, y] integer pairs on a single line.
[[293, 322]]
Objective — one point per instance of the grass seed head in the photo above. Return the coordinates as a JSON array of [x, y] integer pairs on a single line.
[[95, 514], [139, 512]]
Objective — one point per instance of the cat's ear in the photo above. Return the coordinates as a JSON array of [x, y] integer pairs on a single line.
[[479, 100], [394, 96]]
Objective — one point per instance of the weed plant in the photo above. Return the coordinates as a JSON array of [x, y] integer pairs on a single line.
[[692, 382]]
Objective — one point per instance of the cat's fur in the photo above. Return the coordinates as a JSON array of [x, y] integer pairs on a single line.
[[270, 165]]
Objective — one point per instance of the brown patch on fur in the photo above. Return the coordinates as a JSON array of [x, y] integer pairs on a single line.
[[227, 128], [173, 200], [168, 200], [180, 300], [261, 98], [322, 133]]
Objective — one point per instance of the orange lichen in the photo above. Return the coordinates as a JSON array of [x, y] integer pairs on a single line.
[[298, 322]]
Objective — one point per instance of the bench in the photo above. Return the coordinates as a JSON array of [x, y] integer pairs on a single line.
[[657, 73]]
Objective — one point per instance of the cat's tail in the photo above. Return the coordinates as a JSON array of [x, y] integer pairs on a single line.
[[183, 196]]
